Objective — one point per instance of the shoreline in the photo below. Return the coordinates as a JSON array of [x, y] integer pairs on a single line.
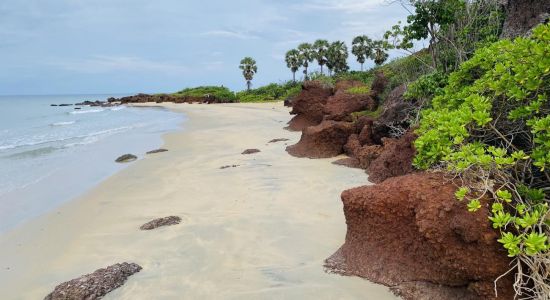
[[271, 197]]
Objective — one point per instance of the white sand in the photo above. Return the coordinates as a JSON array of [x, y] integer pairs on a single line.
[[258, 231]]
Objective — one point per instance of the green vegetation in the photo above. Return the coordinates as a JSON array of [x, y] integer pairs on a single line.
[[490, 126], [366, 113], [248, 65], [218, 92], [293, 62], [358, 90], [321, 49], [307, 55], [271, 92]]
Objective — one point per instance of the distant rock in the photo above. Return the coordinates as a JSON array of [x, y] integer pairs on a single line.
[[77, 108], [126, 158], [278, 140], [156, 223], [156, 151], [95, 285], [53, 104], [65, 104], [250, 151], [229, 166]]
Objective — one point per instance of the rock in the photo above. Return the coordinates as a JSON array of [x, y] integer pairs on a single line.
[[229, 166], [156, 151], [411, 229], [309, 103], [278, 140], [378, 85], [126, 158], [250, 151], [393, 159], [53, 104], [397, 111], [341, 105], [95, 285], [523, 15], [299, 123], [77, 108], [65, 104], [367, 154], [343, 85], [322, 141], [349, 162], [156, 223]]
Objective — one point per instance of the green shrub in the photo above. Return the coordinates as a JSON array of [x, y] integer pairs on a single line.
[[358, 90], [270, 92], [219, 92], [426, 87], [490, 126]]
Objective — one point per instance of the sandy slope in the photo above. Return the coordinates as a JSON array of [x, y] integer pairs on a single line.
[[260, 231]]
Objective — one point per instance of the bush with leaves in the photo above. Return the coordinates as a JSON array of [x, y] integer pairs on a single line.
[[491, 128], [219, 92]]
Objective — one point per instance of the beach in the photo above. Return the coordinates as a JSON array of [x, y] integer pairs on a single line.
[[259, 229]]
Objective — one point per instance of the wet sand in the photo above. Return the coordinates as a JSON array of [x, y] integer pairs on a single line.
[[257, 231]]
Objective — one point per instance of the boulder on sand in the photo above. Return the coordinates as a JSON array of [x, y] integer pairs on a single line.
[[411, 230], [278, 140], [342, 104], [308, 105], [156, 223], [95, 285], [322, 141], [393, 159], [126, 158], [156, 151]]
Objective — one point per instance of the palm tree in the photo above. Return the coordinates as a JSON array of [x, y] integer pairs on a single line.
[[337, 56], [362, 48], [379, 54], [321, 47], [293, 62], [307, 54], [248, 65]]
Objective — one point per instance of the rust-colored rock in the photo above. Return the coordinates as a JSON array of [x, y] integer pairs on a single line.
[[411, 229], [394, 159], [310, 102], [156, 223], [324, 140], [379, 84], [95, 285], [341, 105], [300, 122], [349, 162], [343, 85]]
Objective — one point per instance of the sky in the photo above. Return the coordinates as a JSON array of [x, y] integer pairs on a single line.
[[127, 46]]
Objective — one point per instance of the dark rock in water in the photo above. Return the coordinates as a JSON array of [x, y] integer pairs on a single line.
[[53, 104], [95, 285], [126, 158], [228, 166], [278, 140], [77, 108], [156, 151], [156, 223], [64, 104], [250, 151]]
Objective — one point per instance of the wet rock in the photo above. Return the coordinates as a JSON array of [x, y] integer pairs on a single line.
[[126, 158], [349, 162], [65, 104], [156, 223], [250, 151], [322, 141], [77, 108], [95, 285], [156, 151], [53, 104], [411, 229], [278, 140], [394, 158], [523, 15]]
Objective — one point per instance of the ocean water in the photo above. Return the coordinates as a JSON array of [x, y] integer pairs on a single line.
[[49, 155]]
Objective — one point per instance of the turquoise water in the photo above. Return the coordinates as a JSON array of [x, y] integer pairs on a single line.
[[49, 155]]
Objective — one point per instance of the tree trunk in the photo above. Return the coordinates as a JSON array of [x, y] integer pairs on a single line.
[[321, 69], [294, 76], [248, 83], [361, 67]]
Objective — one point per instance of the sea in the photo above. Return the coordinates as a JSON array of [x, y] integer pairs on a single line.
[[52, 154]]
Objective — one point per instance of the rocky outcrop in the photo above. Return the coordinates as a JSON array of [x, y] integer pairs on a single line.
[[523, 15], [161, 98], [250, 151], [278, 140], [156, 223], [324, 140], [126, 158], [308, 105], [394, 158], [342, 104], [410, 232], [95, 285]]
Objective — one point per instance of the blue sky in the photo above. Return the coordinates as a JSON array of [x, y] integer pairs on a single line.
[[129, 46]]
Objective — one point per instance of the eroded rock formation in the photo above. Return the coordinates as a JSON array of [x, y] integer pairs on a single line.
[[523, 15], [156, 223], [324, 140], [410, 233], [308, 106]]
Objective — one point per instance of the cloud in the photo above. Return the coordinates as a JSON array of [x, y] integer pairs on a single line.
[[230, 34], [106, 64], [346, 6]]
